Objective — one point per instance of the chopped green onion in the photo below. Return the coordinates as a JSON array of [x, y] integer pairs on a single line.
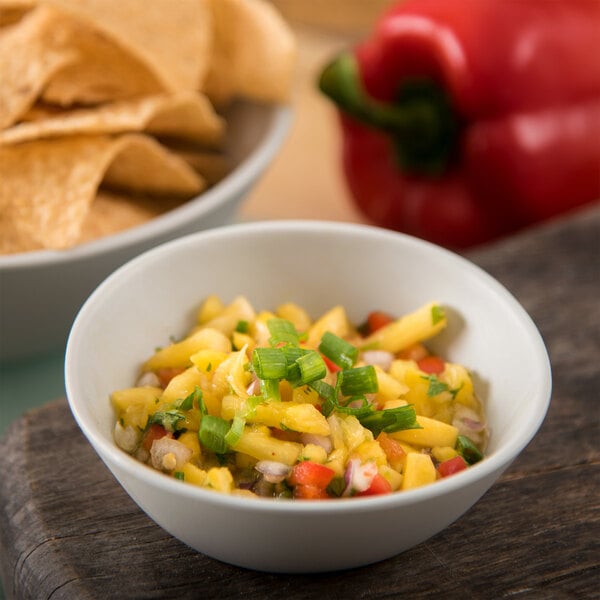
[[292, 354], [312, 367], [282, 331], [391, 419], [328, 393], [212, 433], [269, 363], [358, 381], [179, 475], [270, 389], [232, 437], [341, 352], [437, 314], [468, 450], [187, 403], [242, 326]]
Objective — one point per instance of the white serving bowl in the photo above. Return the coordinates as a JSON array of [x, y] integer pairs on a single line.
[[317, 265], [41, 292]]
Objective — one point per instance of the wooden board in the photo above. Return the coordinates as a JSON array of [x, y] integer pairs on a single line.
[[67, 530]]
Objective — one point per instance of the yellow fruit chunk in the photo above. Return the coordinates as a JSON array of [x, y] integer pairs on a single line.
[[192, 474], [418, 471], [133, 405], [262, 446], [433, 433]]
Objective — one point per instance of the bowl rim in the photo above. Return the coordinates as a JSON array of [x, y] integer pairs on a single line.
[[492, 464], [234, 183]]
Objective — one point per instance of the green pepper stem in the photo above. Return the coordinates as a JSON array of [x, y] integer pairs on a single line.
[[420, 120]]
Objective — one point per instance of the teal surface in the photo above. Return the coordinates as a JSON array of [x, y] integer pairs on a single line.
[[27, 384]]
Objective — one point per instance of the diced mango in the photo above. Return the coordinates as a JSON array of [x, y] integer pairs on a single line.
[[190, 439], [442, 453], [417, 326], [314, 453], [219, 479], [392, 476], [207, 360], [354, 433], [334, 320], [227, 320], [193, 474], [262, 446], [296, 314], [178, 354], [209, 309], [370, 451], [133, 405], [306, 419], [419, 470], [390, 388], [433, 433]]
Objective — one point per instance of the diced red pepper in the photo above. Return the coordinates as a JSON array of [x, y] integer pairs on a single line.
[[378, 319], [452, 466], [154, 432], [433, 365], [311, 474], [310, 492], [333, 368], [379, 485]]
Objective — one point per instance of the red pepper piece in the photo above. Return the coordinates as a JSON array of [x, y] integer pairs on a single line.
[[379, 485], [452, 466], [154, 432], [433, 365], [311, 473], [378, 319], [464, 121]]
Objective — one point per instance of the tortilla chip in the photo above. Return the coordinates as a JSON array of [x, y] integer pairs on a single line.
[[31, 52], [213, 166], [254, 53], [172, 38], [187, 116], [47, 186], [112, 212]]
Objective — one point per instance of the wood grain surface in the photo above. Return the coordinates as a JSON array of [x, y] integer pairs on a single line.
[[68, 530]]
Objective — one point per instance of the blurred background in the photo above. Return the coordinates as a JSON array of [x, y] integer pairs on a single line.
[[305, 181]]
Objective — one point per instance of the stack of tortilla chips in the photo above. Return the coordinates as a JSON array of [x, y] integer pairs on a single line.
[[110, 110]]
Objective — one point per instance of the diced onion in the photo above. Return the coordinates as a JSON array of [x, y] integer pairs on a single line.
[[378, 358], [166, 445], [273, 471]]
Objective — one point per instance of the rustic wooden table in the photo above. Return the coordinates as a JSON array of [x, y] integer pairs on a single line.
[[68, 531]]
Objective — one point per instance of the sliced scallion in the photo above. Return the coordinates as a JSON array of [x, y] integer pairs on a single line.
[[212, 433], [269, 363], [391, 419], [358, 381], [232, 437], [312, 367], [341, 352], [468, 450], [282, 332]]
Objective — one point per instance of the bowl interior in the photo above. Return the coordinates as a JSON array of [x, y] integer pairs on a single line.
[[317, 265]]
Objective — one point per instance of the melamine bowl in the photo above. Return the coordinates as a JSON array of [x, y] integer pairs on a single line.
[[318, 265]]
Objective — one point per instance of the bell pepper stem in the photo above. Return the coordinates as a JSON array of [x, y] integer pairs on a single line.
[[420, 120]]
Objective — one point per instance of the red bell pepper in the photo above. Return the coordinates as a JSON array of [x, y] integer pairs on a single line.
[[466, 120]]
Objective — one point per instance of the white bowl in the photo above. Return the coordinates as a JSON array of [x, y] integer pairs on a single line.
[[41, 292], [317, 265]]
